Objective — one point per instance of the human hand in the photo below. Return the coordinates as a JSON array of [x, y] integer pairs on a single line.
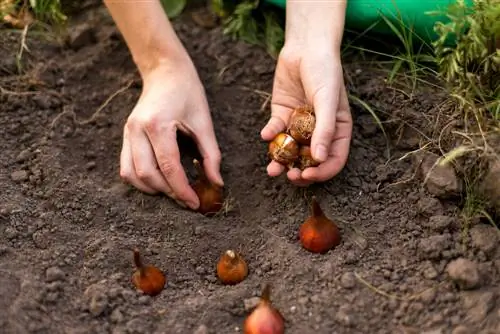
[[172, 99], [312, 76]]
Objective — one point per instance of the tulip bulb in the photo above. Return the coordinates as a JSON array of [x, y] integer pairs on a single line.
[[284, 149], [232, 268], [318, 233], [302, 124], [148, 279], [209, 194], [305, 158], [264, 319]]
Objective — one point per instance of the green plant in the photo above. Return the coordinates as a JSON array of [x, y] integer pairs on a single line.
[[44, 11], [251, 21], [471, 65]]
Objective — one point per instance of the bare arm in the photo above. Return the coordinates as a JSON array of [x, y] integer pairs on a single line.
[[147, 32], [309, 22]]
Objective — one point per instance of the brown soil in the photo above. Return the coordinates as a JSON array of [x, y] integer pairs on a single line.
[[68, 225]]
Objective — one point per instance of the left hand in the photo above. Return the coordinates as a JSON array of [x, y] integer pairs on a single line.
[[313, 76]]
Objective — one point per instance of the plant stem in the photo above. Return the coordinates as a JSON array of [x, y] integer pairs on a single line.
[[138, 262], [316, 210], [199, 170]]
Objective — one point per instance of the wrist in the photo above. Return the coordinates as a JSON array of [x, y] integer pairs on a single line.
[[315, 24], [157, 56]]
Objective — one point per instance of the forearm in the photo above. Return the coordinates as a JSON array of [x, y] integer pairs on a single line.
[[311, 21], [148, 33]]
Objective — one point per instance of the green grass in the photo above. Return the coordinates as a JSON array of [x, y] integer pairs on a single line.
[[47, 12]]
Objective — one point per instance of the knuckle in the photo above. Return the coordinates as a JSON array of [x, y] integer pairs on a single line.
[[125, 175], [168, 168], [143, 174]]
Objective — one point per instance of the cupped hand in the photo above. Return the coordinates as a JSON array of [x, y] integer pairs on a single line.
[[172, 99], [314, 77]]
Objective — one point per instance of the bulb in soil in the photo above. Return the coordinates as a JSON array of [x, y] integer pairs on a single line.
[[284, 149], [305, 158], [209, 194], [301, 125], [232, 268], [318, 234], [265, 318], [148, 279]]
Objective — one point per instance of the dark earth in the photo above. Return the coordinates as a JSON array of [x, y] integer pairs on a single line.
[[407, 262]]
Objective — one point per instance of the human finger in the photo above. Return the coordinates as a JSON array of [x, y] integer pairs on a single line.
[[332, 166], [294, 175], [163, 139], [275, 169], [277, 123], [145, 164], [127, 168], [204, 136]]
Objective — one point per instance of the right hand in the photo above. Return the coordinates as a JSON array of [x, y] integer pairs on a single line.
[[172, 99]]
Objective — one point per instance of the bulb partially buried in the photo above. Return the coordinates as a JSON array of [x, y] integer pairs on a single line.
[[284, 149], [211, 196], [264, 319], [318, 234], [232, 268], [149, 279]]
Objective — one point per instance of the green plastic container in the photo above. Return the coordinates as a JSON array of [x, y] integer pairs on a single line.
[[363, 14]]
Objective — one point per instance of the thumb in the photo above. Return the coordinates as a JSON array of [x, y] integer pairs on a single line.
[[325, 103], [210, 152]]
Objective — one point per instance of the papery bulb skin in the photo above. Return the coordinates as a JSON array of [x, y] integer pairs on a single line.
[[232, 268], [211, 196], [284, 149], [305, 158], [264, 319], [319, 234], [148, 279], [302, 124]]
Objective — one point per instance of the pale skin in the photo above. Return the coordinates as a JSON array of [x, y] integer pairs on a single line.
[[309, 70]]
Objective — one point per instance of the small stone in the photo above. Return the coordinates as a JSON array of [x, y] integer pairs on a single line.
[[202, 329], [347, 280], [484, 237], [464, 273], [251, 303], [54, 274], [440, 180], [19, 175]]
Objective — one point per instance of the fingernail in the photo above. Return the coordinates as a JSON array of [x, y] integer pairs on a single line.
[[320, 153]]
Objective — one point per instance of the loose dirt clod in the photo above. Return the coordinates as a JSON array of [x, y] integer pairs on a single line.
[[464, 273]]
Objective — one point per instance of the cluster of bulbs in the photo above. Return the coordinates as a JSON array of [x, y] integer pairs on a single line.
[[317, 234]]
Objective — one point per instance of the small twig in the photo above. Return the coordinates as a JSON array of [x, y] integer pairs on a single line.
[[96, 113], [22, 47], [388, 295]]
